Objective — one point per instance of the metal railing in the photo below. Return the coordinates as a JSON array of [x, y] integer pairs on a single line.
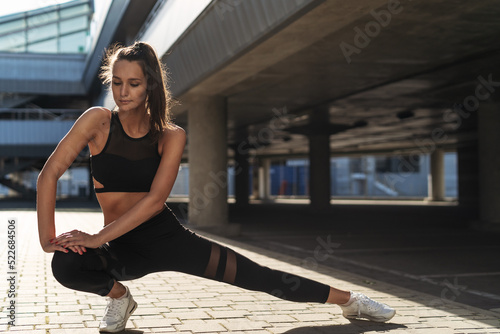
[[37, 113]]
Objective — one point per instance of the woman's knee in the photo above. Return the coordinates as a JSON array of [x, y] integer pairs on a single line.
[[66, 266], [84, 272]]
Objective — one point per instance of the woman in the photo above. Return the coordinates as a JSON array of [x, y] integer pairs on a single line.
[[135, 156]]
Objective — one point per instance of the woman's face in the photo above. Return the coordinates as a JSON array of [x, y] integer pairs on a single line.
[[129, 85]]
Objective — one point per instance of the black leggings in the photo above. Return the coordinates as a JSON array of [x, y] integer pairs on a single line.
[[163, 244]]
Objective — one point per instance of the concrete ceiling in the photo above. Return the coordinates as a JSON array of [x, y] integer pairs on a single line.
[[390, 93]]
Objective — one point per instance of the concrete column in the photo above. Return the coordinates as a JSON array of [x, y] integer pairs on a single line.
[[468, 172], [436, 179], [468, 190], [319, 160], [241, 176], [255, 179], [489, 165], [265, 179], [14, 177], [207, 154]]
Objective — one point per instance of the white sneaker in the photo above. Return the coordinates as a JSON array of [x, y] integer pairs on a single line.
[[117, 313], [360, 306]]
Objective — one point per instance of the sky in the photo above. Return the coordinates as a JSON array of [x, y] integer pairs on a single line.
[[10, 7]]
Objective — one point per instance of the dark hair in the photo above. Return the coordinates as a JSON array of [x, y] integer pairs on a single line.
[[158, 100]]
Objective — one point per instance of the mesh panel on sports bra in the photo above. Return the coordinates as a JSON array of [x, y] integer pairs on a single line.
[[125, 164], [127, 147]]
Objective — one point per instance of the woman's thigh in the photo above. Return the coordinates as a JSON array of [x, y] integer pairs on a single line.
[[125, 262], [182, 251]]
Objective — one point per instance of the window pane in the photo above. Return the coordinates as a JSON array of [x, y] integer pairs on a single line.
[[380, 176], [56, 30], [72, 11], [451, 174], [12, 41], [279, 184], [74, 43], [19, 49], [12, 25], [340, 177], [41, 19], [49, 46], [41, 33], [72, 25], [181, 185]]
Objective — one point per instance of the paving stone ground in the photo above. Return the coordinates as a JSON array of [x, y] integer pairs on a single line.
[[173, 302]]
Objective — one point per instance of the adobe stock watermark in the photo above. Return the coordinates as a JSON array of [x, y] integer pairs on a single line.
[[450, 292], [322, 251], [484, 89], [362, 38], [202, 197], [224, 6], [11, 273]]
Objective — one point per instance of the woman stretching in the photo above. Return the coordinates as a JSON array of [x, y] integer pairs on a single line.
[[135, 155]]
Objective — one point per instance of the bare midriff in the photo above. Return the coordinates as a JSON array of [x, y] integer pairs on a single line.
[[116, 204]]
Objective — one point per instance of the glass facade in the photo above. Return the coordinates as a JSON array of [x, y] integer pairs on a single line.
[[61, 28], [370, 177], [365, 177]]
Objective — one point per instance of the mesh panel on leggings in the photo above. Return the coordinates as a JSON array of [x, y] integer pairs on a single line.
[[221, 265]]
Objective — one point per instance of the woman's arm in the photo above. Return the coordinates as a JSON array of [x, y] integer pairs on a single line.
[[82, 132], [172, 145]]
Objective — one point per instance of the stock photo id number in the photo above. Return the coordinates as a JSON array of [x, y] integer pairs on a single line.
[[11, 270]]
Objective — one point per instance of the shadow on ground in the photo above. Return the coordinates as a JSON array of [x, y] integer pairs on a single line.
[[356, 326]]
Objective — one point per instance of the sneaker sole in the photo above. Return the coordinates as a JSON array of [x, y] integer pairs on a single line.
[[129, 313], [363, 316]]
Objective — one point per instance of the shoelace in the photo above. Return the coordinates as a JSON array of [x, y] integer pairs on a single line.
[[113, 308], [368, 302]]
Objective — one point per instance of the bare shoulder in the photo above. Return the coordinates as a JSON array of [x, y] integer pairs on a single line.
[[173, 132], [97, 115], [172, 138], [91, 125], [94, 120]]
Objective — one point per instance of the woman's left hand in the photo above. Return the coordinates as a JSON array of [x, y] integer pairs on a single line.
[[77, 238]]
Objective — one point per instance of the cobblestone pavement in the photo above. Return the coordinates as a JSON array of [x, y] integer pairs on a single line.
[[174, 302]]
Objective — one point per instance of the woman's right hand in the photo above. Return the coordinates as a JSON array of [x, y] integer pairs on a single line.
[[50, 247]]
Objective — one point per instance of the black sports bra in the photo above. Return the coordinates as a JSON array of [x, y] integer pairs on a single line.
[[125, 164]]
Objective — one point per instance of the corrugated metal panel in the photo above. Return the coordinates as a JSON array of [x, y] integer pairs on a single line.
[[170, 22], [30, 132], [222, 32], [45, 67], [41, 74]]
